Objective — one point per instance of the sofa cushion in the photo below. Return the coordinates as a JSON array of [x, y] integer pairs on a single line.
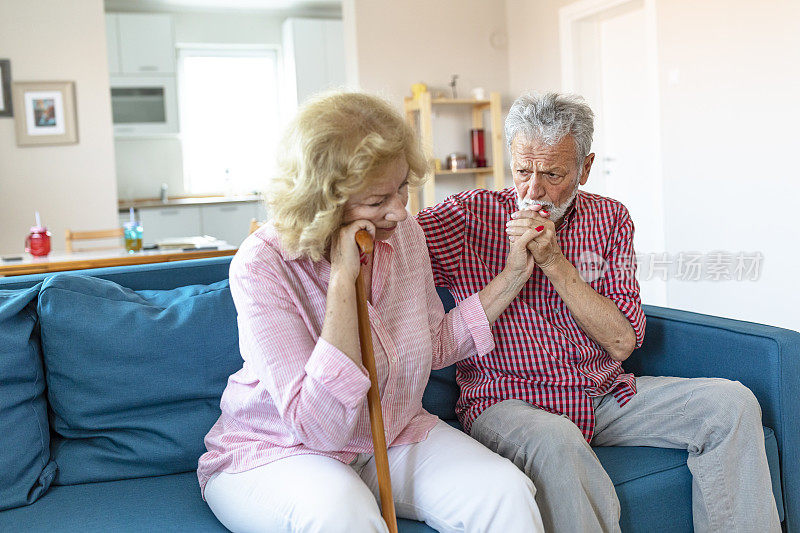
[[653, 486], [160, 503], [164, 504], [25, 467], [134, 378]]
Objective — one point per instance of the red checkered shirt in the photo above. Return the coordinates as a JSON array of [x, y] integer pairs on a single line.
[[541, 356]]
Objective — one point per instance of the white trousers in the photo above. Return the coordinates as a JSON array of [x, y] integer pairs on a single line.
[[449, 481]]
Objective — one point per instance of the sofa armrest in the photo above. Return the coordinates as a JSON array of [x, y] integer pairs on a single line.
[[766, 359]]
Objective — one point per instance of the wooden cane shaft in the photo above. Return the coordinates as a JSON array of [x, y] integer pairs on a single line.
[[374, 398]]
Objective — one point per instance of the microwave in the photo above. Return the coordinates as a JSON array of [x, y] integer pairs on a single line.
[[144, 106]]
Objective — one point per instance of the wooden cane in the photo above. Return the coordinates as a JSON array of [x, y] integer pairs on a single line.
[[364, 241]]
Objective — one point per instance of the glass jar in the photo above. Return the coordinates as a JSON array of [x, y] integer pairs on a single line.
[[478, 148], [133, 237], [37, 242]]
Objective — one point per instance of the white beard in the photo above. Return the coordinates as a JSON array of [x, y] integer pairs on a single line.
[[556, 212]]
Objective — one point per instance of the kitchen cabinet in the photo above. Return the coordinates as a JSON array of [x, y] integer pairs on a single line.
[[112, 45], [140, 44], [170, 222], [141, 64], [313, 55], [225, 220], [228, 222]]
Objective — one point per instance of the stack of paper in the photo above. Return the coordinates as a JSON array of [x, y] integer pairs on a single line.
[[188, 242]]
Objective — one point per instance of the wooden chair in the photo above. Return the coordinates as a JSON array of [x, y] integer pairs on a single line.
[[255, 224], [117, 233]]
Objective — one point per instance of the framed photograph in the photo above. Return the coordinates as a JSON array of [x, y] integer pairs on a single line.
[[5, 88], [45, 112]]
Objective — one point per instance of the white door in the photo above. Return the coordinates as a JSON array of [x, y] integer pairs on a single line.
[[630, 159], [610, 58]]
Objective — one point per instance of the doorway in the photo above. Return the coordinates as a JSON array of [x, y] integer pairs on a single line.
[[609, 57]]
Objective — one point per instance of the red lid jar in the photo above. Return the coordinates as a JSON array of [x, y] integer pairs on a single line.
[[37, 243]]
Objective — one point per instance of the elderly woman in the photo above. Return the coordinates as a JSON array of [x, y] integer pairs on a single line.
[[292, 449]]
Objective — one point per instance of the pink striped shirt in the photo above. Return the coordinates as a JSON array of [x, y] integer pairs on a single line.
[[298, 394]]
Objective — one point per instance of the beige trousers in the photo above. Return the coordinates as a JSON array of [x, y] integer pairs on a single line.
[[718, 421]]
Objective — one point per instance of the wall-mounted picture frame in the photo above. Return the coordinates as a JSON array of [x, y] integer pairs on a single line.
[[6, 109], [45, 112]]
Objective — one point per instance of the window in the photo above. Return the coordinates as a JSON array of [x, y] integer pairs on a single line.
[[229, 119]]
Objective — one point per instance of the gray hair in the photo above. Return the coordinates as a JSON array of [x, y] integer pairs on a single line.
[[551, 117]]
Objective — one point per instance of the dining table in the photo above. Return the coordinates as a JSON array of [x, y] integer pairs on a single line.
[[60, 261]]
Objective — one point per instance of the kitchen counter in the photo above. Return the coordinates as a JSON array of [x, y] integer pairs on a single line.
[[142, 203], [61, 261], [225, 217]]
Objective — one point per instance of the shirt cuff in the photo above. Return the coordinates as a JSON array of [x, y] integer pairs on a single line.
[[635, 315], [478, 325], [338, 374]]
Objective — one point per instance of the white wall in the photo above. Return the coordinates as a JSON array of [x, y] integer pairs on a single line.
[[401, 43], [392, 45], [143, 164], [72, 186], [534, 58], [728, 112]]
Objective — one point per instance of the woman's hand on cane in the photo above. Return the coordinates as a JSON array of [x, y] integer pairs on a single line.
[[345, 256], [339, 328]]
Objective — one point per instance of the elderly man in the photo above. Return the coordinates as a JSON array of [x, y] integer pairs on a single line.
[[554, 382]]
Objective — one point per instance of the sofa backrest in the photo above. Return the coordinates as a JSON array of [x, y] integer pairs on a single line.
[[765, 359], [26, 470], [441, 393]]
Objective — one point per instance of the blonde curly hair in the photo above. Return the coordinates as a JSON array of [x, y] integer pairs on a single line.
[[335, 144]]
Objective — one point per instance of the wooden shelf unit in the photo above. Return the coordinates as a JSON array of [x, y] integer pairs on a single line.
[[471, 170], [419, 112]]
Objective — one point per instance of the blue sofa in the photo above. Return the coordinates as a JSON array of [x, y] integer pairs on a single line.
[[108, 384]]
